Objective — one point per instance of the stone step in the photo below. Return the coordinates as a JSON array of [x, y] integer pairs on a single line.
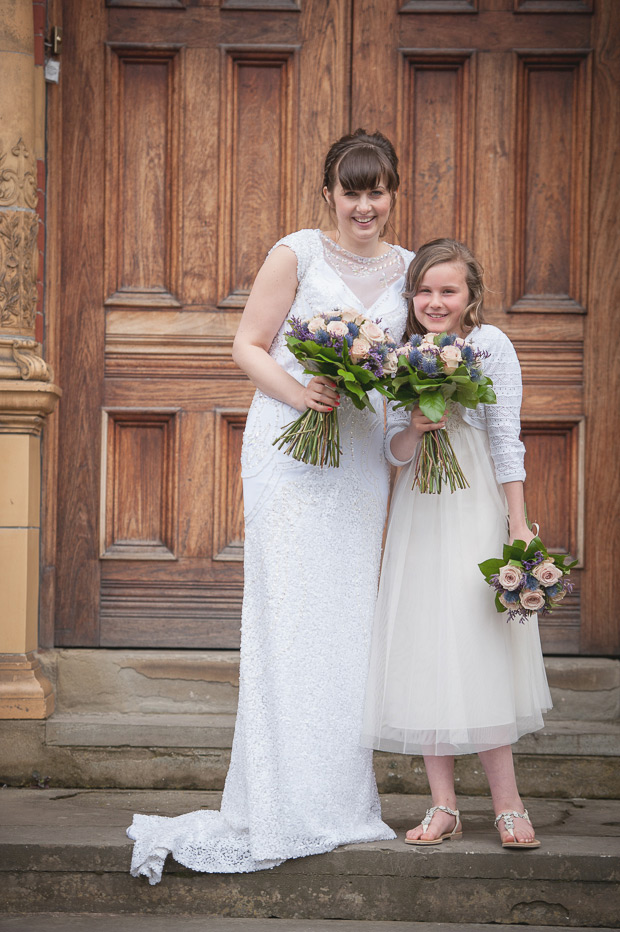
[[66, 852], [192, 752], [197, 682], [117, 922]]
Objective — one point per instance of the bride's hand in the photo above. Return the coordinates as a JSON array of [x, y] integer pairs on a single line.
[[320, 394]]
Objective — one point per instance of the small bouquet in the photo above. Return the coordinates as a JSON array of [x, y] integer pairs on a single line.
[[528, 579], [433, 370], [352, 351]]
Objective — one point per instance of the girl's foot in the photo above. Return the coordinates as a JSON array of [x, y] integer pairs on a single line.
[[515, 829], [439, 822]]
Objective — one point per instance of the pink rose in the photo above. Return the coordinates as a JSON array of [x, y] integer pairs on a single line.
[[359, 348], [547, 573], [316, 324], [350, 315], [510, 577], [451, 357], [532, 600], [372, 332], [458, 342], [338, 328]]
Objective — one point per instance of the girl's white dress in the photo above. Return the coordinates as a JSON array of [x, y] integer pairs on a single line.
[[448, 674], [299, 783]]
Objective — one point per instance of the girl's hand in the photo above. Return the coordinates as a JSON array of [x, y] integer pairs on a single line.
[[320, 394], [520, 532], [421, 423]]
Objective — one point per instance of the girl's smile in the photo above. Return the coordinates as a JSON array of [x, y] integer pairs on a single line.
[[441, 298]]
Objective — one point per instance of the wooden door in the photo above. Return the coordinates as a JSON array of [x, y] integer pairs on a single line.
[[191, 137], [502, 121]]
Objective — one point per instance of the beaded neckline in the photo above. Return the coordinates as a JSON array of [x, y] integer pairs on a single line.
[[353, 256]]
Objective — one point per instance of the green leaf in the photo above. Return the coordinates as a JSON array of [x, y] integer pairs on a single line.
[[490, 567], [498, 604], [433, 405]]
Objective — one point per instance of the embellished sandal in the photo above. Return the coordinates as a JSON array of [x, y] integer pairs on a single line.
[[426, 821], [509, 818]]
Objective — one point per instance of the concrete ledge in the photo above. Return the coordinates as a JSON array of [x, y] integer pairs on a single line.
[[141, 731], [117, 922]]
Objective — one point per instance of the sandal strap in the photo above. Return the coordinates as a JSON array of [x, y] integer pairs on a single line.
[[509, 818], [426, 821]]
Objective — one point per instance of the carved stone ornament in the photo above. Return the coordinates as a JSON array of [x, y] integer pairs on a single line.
[[18, 186], [21, 359], [19, 225]]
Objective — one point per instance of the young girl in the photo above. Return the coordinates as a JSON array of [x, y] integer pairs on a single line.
[[448, 675]]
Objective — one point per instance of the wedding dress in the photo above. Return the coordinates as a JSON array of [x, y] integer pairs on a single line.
[[299, 783]]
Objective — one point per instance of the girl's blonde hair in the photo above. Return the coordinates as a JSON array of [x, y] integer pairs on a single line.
[[434, 253]]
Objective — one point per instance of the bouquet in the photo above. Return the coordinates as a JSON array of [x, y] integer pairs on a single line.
[[352, 351], [528, 579], [432, 371]]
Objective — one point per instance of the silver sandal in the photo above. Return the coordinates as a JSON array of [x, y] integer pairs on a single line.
[[426, 821], [509, 818]]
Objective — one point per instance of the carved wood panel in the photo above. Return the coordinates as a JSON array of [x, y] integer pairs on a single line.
[[139, 485], [257, 161], [436, 199], [553, 117], [143, 132], [228, 530]]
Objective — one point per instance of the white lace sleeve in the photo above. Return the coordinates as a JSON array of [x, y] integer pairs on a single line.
[[305, 244], [397, 420], [502, 420]]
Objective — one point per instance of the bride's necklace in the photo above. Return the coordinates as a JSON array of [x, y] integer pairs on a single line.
[[349, 263]]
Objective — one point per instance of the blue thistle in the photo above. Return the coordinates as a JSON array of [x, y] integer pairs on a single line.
[[353, 328], [446, 340], [474, 374], [429, 365], [511, 595], [530, 582], [554, 590], [349, 340], [322, 337], [415, 340], [416, 358], [468, 354]]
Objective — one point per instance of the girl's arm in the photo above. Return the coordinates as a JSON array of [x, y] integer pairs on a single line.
[[517, 525], [267, 308]]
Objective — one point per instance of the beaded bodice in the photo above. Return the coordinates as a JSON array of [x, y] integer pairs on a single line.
[[366, 276]]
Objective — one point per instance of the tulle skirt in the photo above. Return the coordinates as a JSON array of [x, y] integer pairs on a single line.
[[448, 674]]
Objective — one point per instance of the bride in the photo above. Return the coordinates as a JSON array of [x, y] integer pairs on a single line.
[[299, 783]]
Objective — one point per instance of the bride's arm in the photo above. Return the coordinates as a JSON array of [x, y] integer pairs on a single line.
[[267, 308]]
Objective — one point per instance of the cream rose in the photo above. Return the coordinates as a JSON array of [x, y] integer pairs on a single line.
[[532, 600], [547, 573], [372, 333], [510, 577], [360, 347], [316, 324], [460, 343], [338, 328], [451, 357], [391, 363], [558, 596], [349, 315]]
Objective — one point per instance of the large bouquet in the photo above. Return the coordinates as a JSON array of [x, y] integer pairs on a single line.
[[432, 371], [528, 579], [352, 351]]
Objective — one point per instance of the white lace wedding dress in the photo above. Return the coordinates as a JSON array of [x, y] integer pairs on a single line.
[[299, 783]]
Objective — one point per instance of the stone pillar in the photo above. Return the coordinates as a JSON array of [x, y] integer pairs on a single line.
[[27, 392]]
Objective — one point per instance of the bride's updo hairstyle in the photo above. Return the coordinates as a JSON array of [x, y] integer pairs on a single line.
[[361, 161], [435, 253]]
